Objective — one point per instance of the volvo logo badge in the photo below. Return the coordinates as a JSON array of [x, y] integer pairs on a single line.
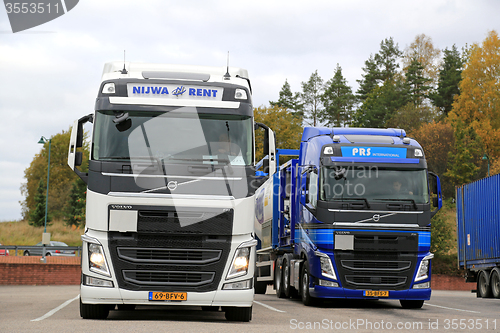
[[172, 185], [376, 217]]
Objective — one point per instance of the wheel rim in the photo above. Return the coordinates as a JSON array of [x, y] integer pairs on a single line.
[[305, 284], [483, 285], [286, 277], [277, 278]]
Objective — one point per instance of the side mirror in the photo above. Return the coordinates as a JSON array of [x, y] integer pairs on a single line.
[[78, 158], [435, 187]]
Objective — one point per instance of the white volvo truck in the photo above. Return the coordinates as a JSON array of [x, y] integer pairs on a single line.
[[171, 183]]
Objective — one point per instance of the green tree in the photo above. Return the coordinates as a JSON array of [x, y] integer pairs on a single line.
[[75, 208], [312, 90], [370, 80], [417, 83], [381, 104], [382, 90], [411, 117], [450, 76], [465, 160], [289, 100], [287, 128], [37, 215], [387, 60], [61, 176], [338, 101]]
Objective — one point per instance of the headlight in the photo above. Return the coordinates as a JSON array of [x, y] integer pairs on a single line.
[[239, 266], [423, 269], [326, 266], [97, 260], [240, 94]]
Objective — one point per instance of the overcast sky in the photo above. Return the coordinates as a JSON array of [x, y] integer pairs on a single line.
[[49, 75]]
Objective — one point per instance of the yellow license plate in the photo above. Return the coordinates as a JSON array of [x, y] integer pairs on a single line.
[[376, 293], [167, 296]]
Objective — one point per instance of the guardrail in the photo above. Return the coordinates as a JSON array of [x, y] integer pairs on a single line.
[[23, 248]]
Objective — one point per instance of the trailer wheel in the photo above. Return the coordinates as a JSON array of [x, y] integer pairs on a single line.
[[495, 282], [278, 279], [483, 286], [94, 311]]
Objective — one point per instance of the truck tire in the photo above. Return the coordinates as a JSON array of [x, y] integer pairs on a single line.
[[286, 275], [278, 278], [483, 285], [126, 307], [93, 311], [411, 303], [495, 282], [260, 287], [307, 299], [238, 314]]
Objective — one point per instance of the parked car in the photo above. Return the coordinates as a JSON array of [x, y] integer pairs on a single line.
[[49, 251], [4, 252]]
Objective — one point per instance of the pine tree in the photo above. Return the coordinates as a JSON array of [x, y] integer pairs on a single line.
[[312, 91], [37, 215], [338, 101], [418, 85], [370, 79], [75, 208], [387, 59], [289, 101], [450, 76]]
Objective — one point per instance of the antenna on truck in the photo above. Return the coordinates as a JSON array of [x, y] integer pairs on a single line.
[[124, 70], [227, 75]]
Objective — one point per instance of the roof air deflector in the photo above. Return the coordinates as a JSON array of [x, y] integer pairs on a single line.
[[175, 75]]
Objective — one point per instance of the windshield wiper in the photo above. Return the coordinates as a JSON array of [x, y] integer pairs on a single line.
[[348, 199], [410, 200]]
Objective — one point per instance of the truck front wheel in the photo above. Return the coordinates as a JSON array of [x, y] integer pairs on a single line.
[[238, 314], [304, 285], [93, 311], [411, 303]]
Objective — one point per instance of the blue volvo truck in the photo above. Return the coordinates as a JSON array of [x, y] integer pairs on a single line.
[[350, 217], [478, 230]]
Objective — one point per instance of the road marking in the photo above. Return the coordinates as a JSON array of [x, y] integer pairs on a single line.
[[269, 307], [444, 307], [51, 312]]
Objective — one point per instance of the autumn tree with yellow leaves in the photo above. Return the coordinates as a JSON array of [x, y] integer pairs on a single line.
[[286, 126], [475, 115]]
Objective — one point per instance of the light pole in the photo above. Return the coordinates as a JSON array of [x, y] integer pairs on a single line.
[[485, 157], [44, 140]]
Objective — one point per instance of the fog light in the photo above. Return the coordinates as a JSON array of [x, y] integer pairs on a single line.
[[425, 285], [326, 283], [95, 282], [247, 284]]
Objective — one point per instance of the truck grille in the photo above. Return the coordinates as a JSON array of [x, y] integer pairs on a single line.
[[378, 261], [169, 256], [168, 278], [173, 251]]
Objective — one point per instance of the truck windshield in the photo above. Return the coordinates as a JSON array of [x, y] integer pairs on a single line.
[[373, 184], [181, 136]]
